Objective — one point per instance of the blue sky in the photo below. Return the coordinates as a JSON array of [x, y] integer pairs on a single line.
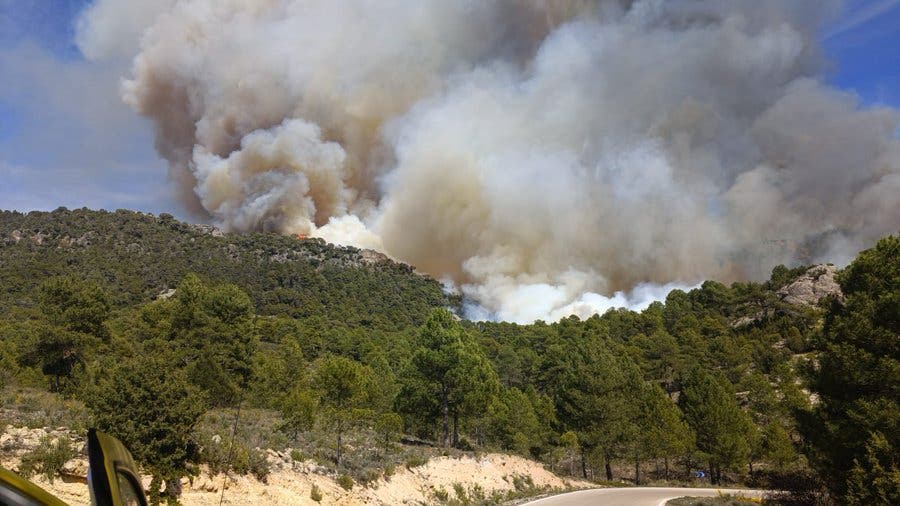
[[66, 138], [864, 46]]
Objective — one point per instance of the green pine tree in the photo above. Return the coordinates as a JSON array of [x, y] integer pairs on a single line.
[[722, 428]]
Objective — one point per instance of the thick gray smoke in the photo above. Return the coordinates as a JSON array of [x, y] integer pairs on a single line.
[[550, 158]]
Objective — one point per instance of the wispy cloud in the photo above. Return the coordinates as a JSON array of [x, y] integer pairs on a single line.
[[858, 15]]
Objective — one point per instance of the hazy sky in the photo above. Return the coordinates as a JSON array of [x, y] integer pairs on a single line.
[[67, 139]]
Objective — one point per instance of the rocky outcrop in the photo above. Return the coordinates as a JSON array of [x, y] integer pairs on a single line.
[[39, 238], [207, 230], [15, 441], [744, 321], [84, 241], [166, 294], [812, 286], [372, 257]]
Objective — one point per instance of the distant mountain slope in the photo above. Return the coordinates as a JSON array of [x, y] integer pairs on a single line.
[[137, 256]]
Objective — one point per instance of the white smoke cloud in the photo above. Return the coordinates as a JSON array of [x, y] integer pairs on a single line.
[[112, 29], [526, 303], [551, 158], [348, 230]]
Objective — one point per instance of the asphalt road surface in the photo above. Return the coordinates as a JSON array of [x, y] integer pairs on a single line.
[[636, 496]]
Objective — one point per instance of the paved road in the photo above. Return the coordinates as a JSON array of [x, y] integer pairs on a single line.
[[636, 496]]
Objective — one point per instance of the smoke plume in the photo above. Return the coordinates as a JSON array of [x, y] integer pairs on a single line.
[[550, 158]]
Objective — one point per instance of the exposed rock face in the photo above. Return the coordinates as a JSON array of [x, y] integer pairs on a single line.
[[77, 467], [86, 239], [166, 294], [39, 238], [371, 257], [815, 284], [207, 230], [746, 320], [15, 441]]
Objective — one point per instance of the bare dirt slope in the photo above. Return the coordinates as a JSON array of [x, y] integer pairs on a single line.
[[292, 482], [491, 472]]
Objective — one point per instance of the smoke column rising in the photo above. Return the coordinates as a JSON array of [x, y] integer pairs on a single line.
[[550, 158]]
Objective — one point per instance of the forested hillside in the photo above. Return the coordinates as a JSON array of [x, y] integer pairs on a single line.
[[341, 356], [135, 257]]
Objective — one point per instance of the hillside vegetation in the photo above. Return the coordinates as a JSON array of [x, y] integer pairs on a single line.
[[355, 362], [135, 257]]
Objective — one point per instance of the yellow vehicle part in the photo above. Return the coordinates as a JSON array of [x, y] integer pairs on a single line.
[[17, 491], [113, 477]]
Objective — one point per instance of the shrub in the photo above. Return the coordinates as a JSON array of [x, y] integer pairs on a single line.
[[795, 487], [465, 445], [476, 494], [241, 459], [367, 476], [522, 483], [460, 491], [345, 481], [315, 493], [388, 426], [48, 458], [258, 465], [416, 461], [214, 454], [297, 455]]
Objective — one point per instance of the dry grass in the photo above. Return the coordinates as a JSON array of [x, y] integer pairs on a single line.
[[33, 408]]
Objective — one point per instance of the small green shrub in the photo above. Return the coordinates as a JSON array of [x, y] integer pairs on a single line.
[[241, 459], [416, 461], [522, 483], [297, 455], [258, 465], [48, 458], [214, 454], [345, 481], [441, 495], [315, 493], [465, 445], [367, 476], [476, 494], [460, 491], [389, 426]]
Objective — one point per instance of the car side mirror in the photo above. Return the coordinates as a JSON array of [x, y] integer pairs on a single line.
[[113, 477]]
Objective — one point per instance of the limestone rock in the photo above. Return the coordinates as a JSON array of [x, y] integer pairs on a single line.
[[207, 230], [372, 257], [166, 294], [39, 238], [75, 468], [812, 286]]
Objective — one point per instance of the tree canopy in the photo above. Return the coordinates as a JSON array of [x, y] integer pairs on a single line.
[[857, 379]]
